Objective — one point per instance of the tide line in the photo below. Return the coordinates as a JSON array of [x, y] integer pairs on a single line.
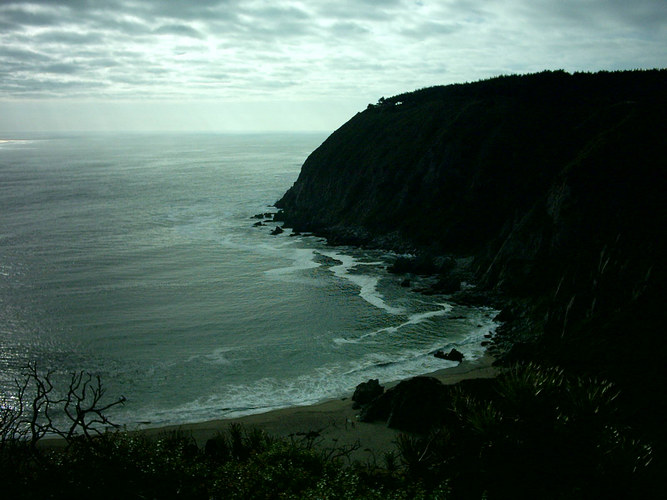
[[304, 258], [367, 284], [413, 319]]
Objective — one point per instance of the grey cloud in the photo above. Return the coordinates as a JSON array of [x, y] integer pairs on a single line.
[[79, 4], [111, 23], [234, 73], [374, 3], [69, 37], [277, 31], [23, 17], [7, 27], [125, 54], [348, 28], [157, 71], [190, 11], [431, 28], [643, 13], [276, 12], [22, 55], [92, 9], [271, 23], [130, 79], [343, 10], [38, 87], [259, 46], [100, 62], [359, 65], [178, 29], [600, 14], [267, 84], [61, 68]]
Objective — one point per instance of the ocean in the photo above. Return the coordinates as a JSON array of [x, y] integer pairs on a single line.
[[135, 257]]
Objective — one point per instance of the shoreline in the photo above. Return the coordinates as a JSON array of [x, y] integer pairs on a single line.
[[333, 423]]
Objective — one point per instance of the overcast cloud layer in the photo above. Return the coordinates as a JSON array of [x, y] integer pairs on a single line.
[[304, 64]]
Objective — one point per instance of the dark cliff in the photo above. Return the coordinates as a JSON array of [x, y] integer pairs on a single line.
[[553, 183], [449, 167]]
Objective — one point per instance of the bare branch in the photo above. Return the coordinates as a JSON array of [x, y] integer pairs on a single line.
[[33, 414]]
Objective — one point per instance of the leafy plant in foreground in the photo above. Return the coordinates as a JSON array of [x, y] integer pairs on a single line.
[[542, 434]]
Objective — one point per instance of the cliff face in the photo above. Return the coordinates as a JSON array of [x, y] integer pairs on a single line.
[[554, 183], [450, 167]]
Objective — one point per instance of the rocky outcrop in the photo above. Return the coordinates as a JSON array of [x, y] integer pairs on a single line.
[[366, 392], [453, 355], [414, 405], [419, 404]]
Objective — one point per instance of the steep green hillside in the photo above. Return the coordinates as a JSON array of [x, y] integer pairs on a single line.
[[450, 166], [555, 185]]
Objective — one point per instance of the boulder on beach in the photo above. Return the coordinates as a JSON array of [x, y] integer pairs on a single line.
[[414, 405], [367, 392], [277, 230]]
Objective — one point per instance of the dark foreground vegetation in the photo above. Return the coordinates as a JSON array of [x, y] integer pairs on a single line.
[[531, 433]]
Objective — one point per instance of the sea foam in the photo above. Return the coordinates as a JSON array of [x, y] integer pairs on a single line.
[[367, 284]]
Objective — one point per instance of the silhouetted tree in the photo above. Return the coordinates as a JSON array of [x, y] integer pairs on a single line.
[[32, 411]]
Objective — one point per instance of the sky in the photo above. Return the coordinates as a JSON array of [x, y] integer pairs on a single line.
[[288, 65]]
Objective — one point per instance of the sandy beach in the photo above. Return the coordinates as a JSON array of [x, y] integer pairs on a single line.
[[334, 421]]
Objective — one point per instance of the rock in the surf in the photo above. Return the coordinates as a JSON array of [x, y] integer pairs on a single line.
[[453, 355]]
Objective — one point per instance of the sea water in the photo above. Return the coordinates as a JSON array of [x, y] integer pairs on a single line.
[[136, 258]]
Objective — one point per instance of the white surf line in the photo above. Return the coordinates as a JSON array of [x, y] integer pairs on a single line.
[[304, 258], [413, 319], [367, 284], [344, 340]]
